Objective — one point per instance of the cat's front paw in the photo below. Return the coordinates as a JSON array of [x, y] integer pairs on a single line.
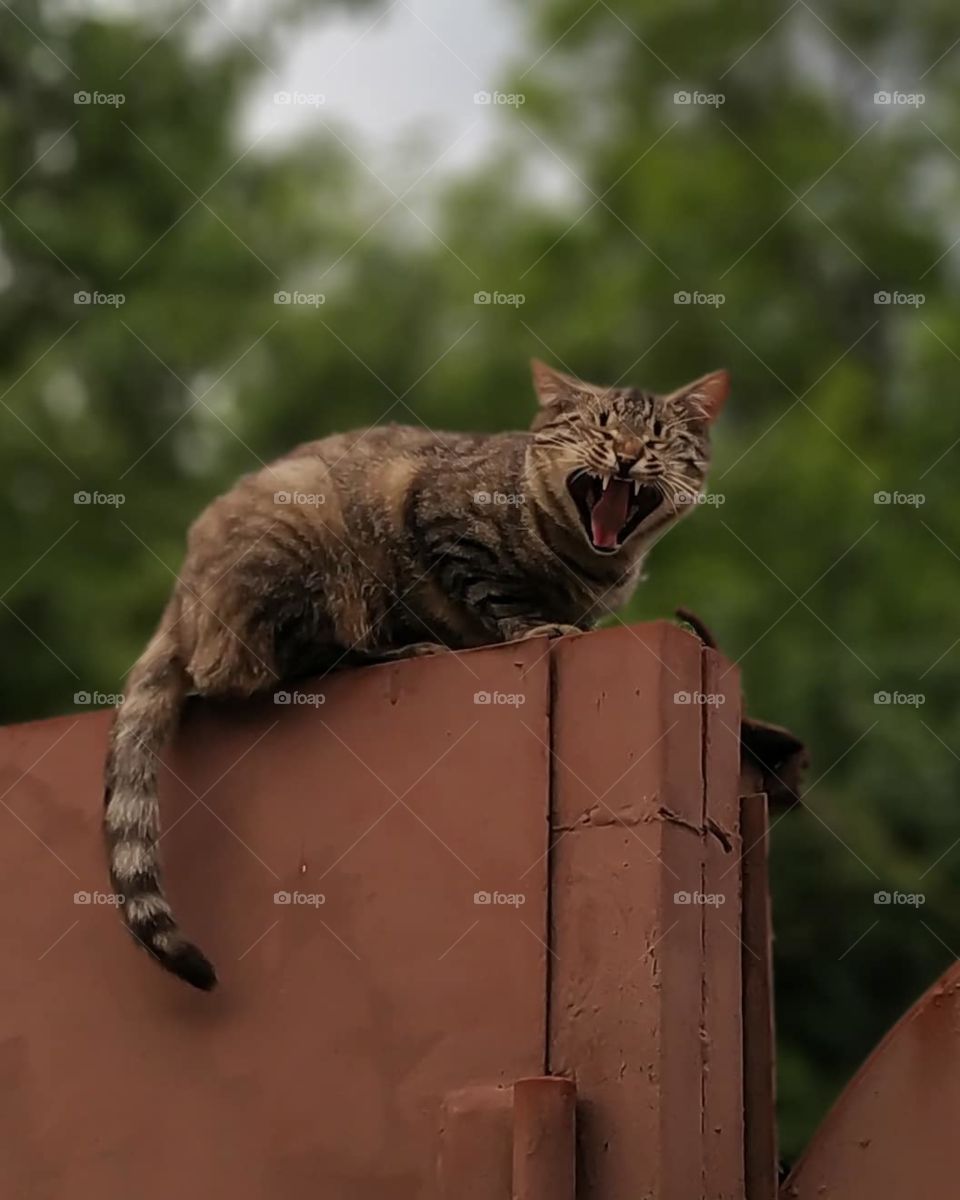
[[551, 631]]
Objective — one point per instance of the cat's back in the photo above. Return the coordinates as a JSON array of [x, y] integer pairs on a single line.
[[380, 443], [358, 481]]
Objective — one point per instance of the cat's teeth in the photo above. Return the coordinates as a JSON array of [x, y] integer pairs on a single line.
[[636, 487], [605, 482]]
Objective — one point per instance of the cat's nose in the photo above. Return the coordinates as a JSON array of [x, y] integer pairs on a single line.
[[629, 451], [625, 463]]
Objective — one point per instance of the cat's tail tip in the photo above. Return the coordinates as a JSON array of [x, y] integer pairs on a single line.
[[188, 963]]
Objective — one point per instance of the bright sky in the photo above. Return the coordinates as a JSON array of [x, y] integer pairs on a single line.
[[392, 73]]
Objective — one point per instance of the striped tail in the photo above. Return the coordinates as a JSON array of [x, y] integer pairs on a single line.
[[144, 724]]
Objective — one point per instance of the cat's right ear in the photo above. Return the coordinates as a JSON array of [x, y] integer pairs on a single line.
[[553, 387]]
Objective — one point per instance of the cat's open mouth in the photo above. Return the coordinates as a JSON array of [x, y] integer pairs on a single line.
[[611, 508]]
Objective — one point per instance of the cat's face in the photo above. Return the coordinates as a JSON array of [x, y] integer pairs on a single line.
[[621, 463]]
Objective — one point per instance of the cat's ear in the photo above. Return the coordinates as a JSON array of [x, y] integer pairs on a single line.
[[705, 397], [552, 386]]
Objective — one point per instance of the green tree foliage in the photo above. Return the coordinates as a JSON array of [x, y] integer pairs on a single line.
[[796, 199]]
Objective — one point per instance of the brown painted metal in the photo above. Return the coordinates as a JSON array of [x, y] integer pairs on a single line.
[[320, 1066], [892, 1134], [544, 1140], [759, 1047], [476, 1131], [363, 1046], [629, 968], [722, 1041]]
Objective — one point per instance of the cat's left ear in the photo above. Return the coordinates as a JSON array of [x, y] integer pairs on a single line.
[[705, 397], [552, 386]]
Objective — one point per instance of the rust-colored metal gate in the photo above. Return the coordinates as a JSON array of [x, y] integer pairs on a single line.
[[421, 883]]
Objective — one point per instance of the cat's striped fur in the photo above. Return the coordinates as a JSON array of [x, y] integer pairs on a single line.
[[392, 541]]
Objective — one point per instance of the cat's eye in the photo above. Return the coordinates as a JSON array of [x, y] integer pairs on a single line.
[[604, 418], [657, 429]]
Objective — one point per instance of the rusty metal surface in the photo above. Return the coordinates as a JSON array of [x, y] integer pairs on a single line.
[[320, 1066], [892, 1134]]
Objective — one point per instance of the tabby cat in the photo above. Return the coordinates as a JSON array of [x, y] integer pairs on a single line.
[[393, 541]]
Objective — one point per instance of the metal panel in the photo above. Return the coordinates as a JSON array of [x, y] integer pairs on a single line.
[[320, 1065]]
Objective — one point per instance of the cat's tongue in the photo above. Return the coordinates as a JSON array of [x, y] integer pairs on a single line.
[[609, 515]]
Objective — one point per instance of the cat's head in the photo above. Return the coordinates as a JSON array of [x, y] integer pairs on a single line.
[[620, 463]]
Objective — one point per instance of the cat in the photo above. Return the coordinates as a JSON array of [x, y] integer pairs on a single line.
[[397, 541]]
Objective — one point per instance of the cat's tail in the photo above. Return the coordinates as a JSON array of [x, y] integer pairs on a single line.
[[144, 724]]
